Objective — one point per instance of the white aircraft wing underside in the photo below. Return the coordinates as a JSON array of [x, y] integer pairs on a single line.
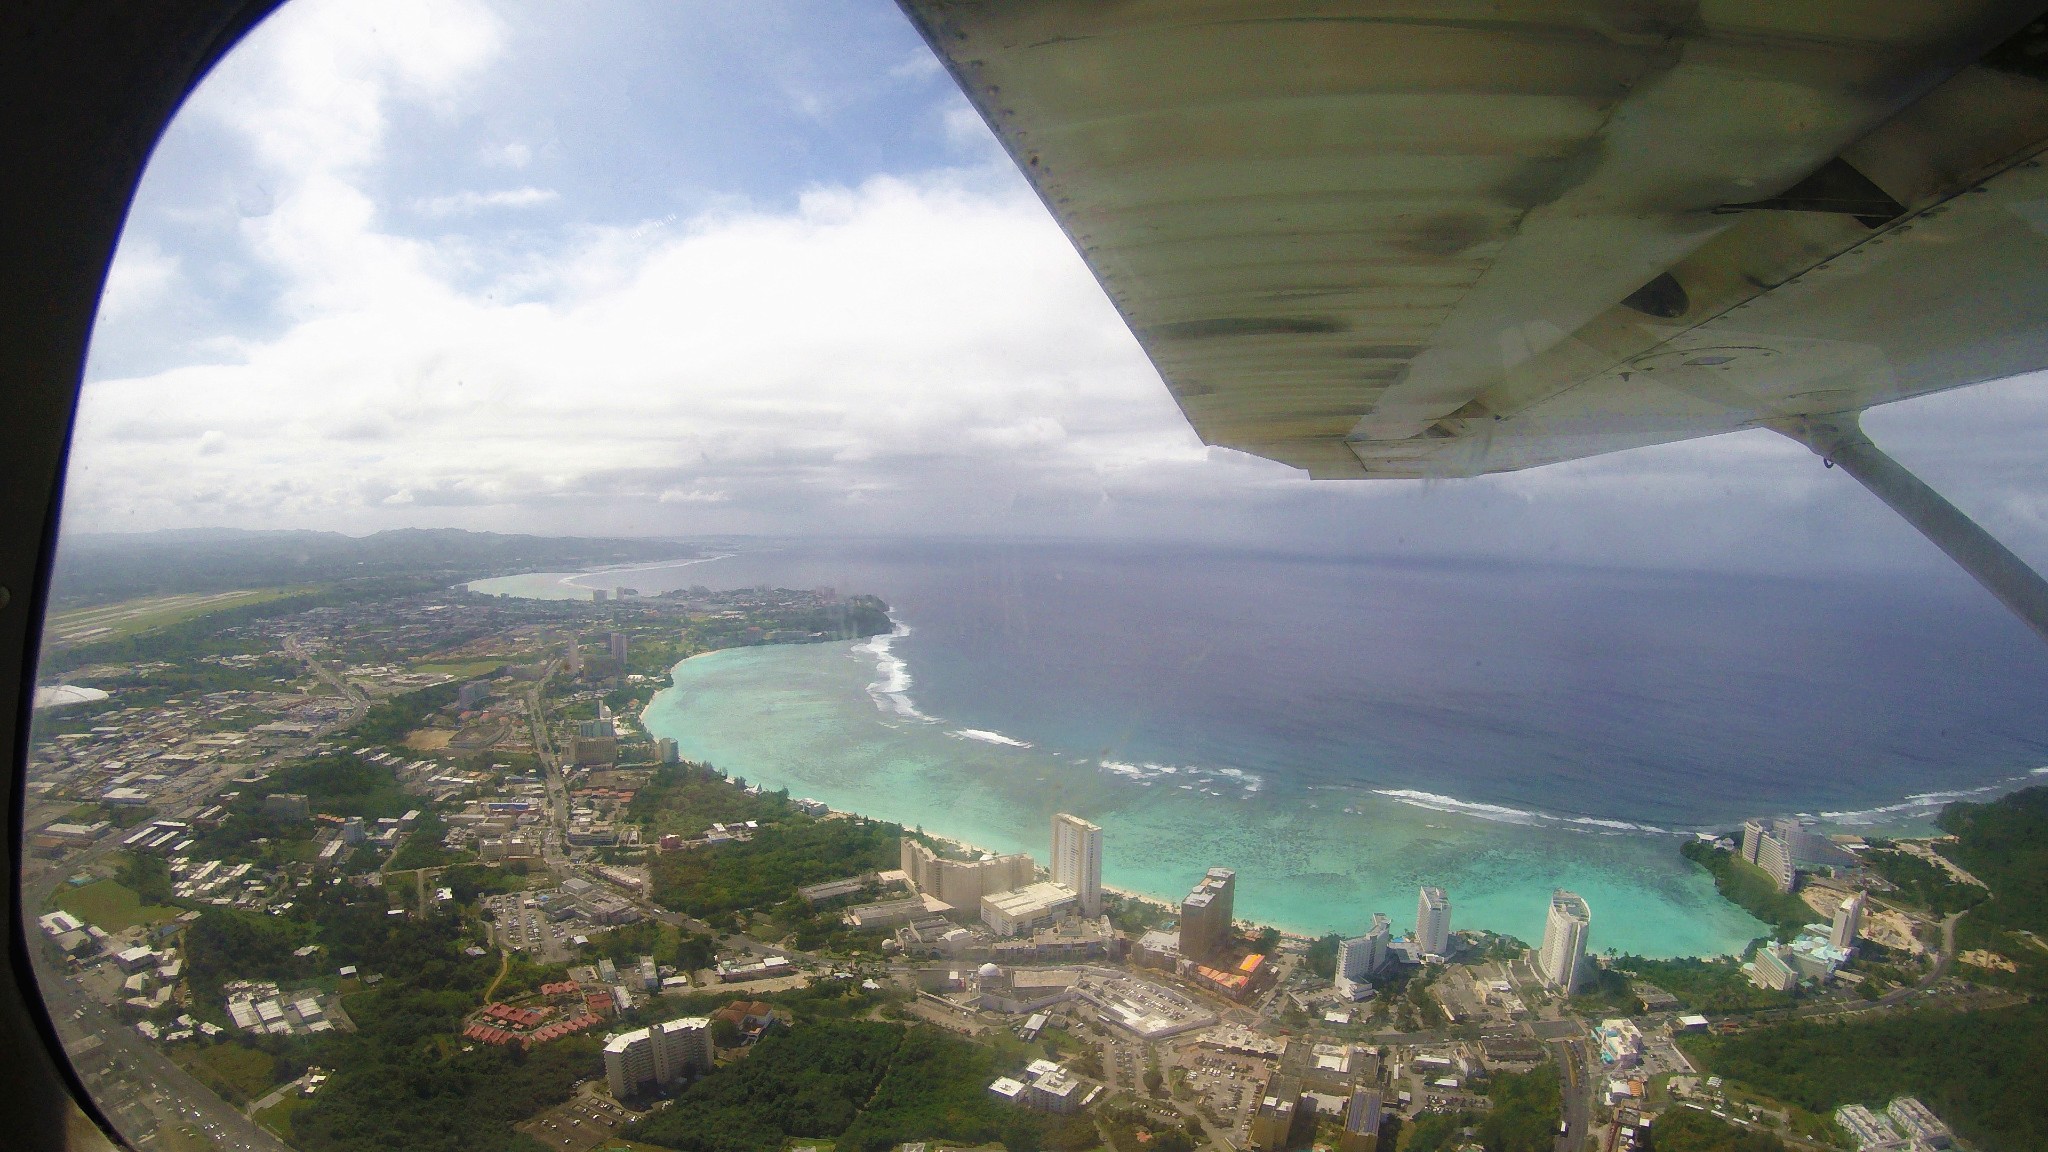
[[1444, 239]]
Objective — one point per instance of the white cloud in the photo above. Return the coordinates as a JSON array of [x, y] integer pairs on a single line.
[[142, 277], [919, 354], [513, 155], [774, 365], [919, 65], [463, 203]]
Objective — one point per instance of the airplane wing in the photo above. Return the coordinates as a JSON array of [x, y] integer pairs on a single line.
[[1450, 238]]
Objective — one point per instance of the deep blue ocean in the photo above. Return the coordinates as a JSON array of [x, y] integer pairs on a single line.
[[1662, 698], [1342, 730]]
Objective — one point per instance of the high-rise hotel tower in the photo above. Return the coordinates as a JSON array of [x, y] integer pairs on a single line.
[[1563, 953], [1433, 922], [1077, 861]]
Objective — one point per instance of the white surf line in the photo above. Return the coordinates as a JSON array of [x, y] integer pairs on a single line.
[[571, 580]]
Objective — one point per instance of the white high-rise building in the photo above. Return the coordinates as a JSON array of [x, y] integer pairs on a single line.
[[1433, 922], [1077, 861], [1847, 923], [1361, 956], [659, 1055], [1563, 953]]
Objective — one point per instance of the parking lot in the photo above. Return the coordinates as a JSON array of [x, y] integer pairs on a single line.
[[528, 929], [579, 1125], [1224, 1083]]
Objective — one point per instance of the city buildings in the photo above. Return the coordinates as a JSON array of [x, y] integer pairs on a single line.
[[963, 883], [1278, 1113], [1906, 1125], [1916, 1121], [1559, 960], [618, 647], [1433, 922], [1205, 917], [1847, 923], [659, 1055], [1077, 860], [1362, 1121], [1022, 909], [1772, 968], [1776, 846], [286, 806], [1361, 956]]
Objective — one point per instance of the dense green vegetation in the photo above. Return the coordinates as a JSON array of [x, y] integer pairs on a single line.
[[851, 618], [1433, 1131], [937, 1088], [1922, 883], [389, 721], [1986, 1073], [340, 784], [228, 944], [1751, 888], [808, 1081], [867, 1085], [685, 799], [1686, 1130], [394, 1089], [1525, 1112], [1524, 1117], [767, 870], [2004, 843], [668, 945], [1322, 956], [1711, 985], [423, 847]]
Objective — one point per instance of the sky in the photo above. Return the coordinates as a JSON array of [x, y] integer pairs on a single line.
[[668, 268]]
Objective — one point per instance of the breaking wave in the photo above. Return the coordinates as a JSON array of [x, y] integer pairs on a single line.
[[890, 690], [988, 737], [1187, 776], [1502, 814]]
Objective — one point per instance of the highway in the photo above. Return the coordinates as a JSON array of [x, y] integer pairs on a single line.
[[135, 1085], [1578, 1084]]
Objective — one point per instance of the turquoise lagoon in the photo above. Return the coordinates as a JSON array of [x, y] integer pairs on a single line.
[[835, 722]]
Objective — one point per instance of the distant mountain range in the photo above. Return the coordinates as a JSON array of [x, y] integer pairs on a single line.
[[93, 568]]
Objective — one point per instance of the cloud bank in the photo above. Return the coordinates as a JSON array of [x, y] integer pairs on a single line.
[[918, 350]]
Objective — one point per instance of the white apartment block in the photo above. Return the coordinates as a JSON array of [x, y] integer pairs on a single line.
[[659, 1055]]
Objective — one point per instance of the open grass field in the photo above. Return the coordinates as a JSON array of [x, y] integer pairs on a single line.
[[464, 670], [239, 1074], [278, 1117], [133, 617], [111, 905]]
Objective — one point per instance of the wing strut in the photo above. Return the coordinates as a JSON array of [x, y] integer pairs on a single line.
[[1839, 439]]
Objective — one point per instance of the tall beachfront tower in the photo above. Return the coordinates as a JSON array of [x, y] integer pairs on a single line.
[[1564, 941], [1077, 860], [1433, 922], [1205, 916], [1847, 923]]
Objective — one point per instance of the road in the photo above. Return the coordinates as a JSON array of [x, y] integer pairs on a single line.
[[1579, 1083], [358, 703], [140, 1089]]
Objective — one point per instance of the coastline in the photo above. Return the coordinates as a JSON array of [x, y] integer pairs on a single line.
[[819, 720], [864, 758]]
